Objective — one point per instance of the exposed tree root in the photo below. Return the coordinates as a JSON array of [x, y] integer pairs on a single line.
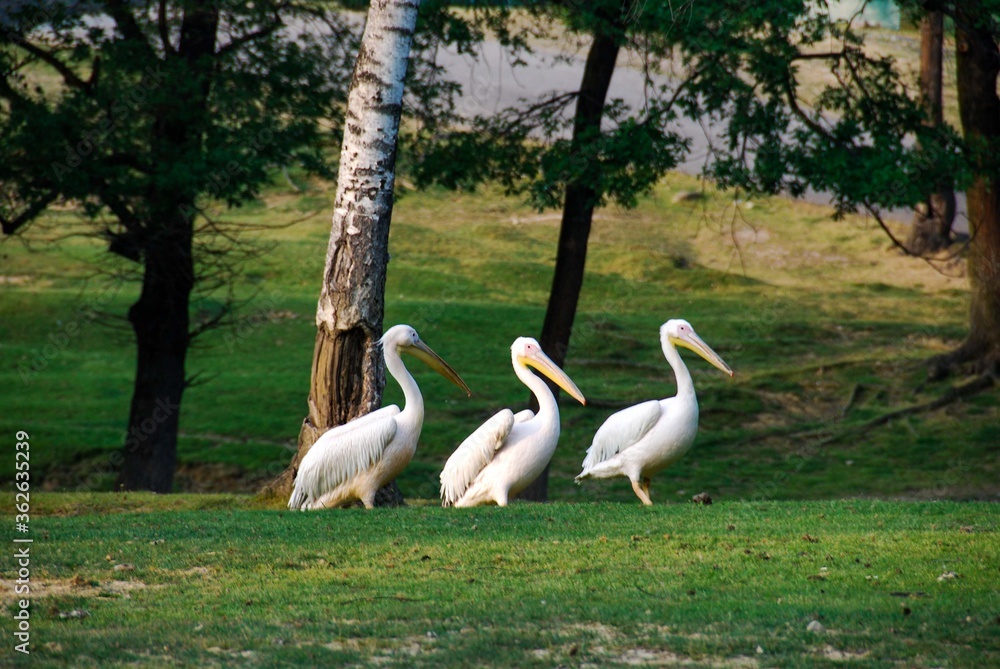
[[969, 358], [952, 395]]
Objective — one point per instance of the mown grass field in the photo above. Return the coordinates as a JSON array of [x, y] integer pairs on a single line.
[[825, 325], [208, 581]]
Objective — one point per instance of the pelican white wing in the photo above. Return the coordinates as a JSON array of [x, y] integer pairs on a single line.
[[523, 416], [474, 454], [342, 453], [621, 430]]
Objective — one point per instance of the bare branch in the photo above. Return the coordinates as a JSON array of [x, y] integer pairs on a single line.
[[10, 226], [49, 57], [522, 115], [263, 31], [825, 55]]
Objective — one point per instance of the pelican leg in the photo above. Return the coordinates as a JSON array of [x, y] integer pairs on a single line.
[[645, 485], [369, 501], [641, 494]]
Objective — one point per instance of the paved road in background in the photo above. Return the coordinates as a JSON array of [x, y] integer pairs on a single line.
[[490, 84]]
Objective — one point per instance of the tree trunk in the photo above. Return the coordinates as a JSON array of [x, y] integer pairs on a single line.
[[160, 317], [931, 227], [160, 322], [578, 213], [347, 369], [977, 68]]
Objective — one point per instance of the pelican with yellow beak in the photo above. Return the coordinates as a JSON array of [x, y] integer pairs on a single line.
[[509, 451], [352, 461], [639, 441]]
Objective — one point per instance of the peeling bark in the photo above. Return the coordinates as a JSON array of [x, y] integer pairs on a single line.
[[348, 371]]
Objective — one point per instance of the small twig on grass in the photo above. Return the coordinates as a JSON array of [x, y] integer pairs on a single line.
[[372, 598], [645, 592], [852, 400]]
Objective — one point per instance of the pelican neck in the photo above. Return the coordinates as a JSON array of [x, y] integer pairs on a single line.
[[414, 401], [538, 387], [685, 386]]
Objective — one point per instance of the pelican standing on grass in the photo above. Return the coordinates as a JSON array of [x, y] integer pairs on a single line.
[[509, 451], [352, 461], [639, 441]]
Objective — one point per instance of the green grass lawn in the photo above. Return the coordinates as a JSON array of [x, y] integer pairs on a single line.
[[201, 581], [825, 326]]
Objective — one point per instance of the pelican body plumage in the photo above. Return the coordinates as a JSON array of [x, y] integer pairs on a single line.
[[510, 450], [352, 461], [641, 440]]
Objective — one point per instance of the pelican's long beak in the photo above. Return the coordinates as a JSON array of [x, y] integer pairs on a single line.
[[423, 352], [544, 364], [695, 343]]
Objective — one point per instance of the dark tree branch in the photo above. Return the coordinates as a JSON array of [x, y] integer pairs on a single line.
[[209, 324], [95, 73], [126, 216], [121, 12], [793, 104], [10, 226], [69, 76], [873, 210], [522, 116], [825, 55], [163, 27], [15, 98], [263, 31]]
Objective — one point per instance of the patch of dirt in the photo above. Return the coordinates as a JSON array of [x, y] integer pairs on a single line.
[[383, 651], [75, 587], [645, 657], [648, 657], [599, 630], [831, 653], [15, 279]]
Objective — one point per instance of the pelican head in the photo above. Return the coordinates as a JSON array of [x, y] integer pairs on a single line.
[[406, 340], [680, 333], [527, 352]]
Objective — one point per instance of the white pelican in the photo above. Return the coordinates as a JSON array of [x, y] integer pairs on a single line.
[[509, 451], [639, 441], [352, 461]]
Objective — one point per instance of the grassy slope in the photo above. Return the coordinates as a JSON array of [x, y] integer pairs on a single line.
[[216, 583], [807, 311]]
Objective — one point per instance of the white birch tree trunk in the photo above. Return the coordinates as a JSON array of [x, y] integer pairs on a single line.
[[347, 368]]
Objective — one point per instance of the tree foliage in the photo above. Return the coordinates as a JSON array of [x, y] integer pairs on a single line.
[[733, 67]]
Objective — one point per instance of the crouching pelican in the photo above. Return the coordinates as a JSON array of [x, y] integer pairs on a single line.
[[509, 451], [639, 441], [352, 461]]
